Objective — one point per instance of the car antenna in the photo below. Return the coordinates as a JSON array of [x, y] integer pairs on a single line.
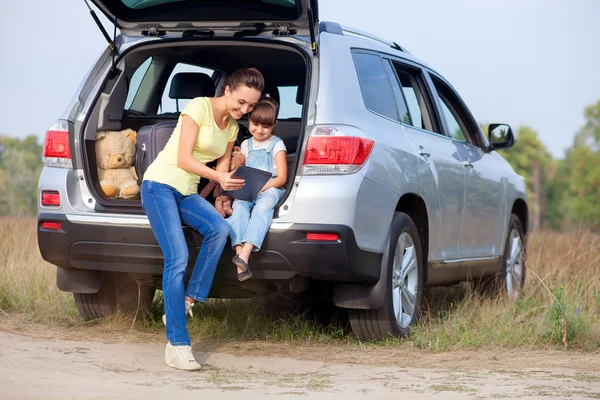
[[110, 41]]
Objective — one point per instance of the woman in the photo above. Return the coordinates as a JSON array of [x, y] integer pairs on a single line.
[[206, 131]]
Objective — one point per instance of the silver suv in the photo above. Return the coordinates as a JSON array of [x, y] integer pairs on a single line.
[[392, 184]]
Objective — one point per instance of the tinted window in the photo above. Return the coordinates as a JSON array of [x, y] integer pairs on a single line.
[[140, 4], [374, 85]]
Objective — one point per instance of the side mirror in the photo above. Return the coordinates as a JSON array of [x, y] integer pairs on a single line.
[[501, 136]]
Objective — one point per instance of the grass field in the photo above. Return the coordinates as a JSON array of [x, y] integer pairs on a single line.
[[559, 308]]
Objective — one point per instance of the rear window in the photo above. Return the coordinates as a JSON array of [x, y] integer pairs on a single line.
[[139, 4]]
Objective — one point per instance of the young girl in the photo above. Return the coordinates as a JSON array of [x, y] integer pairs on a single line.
[[251, 220]]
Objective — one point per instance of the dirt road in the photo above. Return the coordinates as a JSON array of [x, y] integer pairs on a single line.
[[35, 367]]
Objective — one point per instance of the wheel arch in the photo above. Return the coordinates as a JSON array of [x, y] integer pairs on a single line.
[[414, 206], [521, 210], [356, 296]]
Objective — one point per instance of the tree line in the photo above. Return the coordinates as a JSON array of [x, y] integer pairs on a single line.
[[562, 192]]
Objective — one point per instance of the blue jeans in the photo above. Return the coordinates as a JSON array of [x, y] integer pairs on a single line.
[[251, 220], [167, 209]]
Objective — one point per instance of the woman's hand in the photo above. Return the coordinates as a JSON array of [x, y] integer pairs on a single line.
[[227, 182]]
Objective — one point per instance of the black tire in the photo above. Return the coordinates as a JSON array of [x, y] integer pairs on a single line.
[[383, 323], [513, 289], [117, 292], [497, 283]]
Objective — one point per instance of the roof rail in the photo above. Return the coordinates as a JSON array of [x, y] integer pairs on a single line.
[[365, 35]]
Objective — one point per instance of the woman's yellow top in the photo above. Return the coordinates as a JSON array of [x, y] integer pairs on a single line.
[[210, 145]]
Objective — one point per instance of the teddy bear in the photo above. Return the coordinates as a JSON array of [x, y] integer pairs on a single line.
[[115, 155], [223, 203]]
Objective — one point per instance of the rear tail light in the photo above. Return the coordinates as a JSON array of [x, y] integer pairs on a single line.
[[57, 148], [50, 198], [322, 237], [51, 225], [330, 151]]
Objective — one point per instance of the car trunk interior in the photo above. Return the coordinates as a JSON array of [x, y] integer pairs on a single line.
[[135, 97]]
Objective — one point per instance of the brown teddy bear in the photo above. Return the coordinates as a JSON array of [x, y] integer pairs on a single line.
[[115, 155], [223, 203]]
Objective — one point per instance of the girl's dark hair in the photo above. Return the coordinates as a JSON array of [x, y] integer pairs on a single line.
[[250, 77], [265, 112]]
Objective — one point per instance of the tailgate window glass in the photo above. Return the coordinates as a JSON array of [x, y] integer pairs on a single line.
[[138, 4]]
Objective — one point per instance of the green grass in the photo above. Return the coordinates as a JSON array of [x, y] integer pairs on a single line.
[[250, 319], [560, 309]]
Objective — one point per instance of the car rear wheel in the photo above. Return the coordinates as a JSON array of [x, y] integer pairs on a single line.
[[403, 262], [117, 292]]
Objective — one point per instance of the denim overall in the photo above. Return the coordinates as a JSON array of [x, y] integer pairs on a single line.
[[251, 220]]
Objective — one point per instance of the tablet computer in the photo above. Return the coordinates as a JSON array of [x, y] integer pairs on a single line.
[[255, 180]]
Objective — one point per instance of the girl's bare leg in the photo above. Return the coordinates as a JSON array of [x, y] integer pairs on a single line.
[[246, 251]]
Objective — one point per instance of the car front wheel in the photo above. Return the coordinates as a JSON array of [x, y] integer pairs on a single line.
[[512, 277]]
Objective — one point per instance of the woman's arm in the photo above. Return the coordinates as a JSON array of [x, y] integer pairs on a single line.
[[189, 163], [281, 179], [224, 162]]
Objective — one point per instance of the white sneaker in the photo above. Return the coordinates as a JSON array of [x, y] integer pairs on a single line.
[[181, 357], [188, 310]]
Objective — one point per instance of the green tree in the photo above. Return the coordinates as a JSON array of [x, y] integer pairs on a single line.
[[532, 160], [578, 180], [20, 167]]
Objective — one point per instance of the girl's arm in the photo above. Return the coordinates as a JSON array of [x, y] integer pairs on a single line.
[[281, 179], [189, 163]]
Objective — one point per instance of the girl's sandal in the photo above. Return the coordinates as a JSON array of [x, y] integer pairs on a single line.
[[243, 266]]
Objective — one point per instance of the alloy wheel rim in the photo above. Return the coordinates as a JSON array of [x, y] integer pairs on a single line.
[[405, 280], [514, 265]]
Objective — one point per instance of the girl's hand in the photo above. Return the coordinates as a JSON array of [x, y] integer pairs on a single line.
[[228, 183]]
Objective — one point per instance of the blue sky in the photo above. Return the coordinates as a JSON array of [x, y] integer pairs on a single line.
[[532, 62]]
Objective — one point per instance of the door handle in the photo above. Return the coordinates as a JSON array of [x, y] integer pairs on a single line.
[[467, 164], [423, 153]]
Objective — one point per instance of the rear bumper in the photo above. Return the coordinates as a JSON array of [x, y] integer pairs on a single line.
[[133, 248]]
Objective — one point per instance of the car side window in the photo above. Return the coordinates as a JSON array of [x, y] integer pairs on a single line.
[[454, 129], [167, 104], [374, 85], [460, 124], [135, 82], [414, 104], [288, 102]]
